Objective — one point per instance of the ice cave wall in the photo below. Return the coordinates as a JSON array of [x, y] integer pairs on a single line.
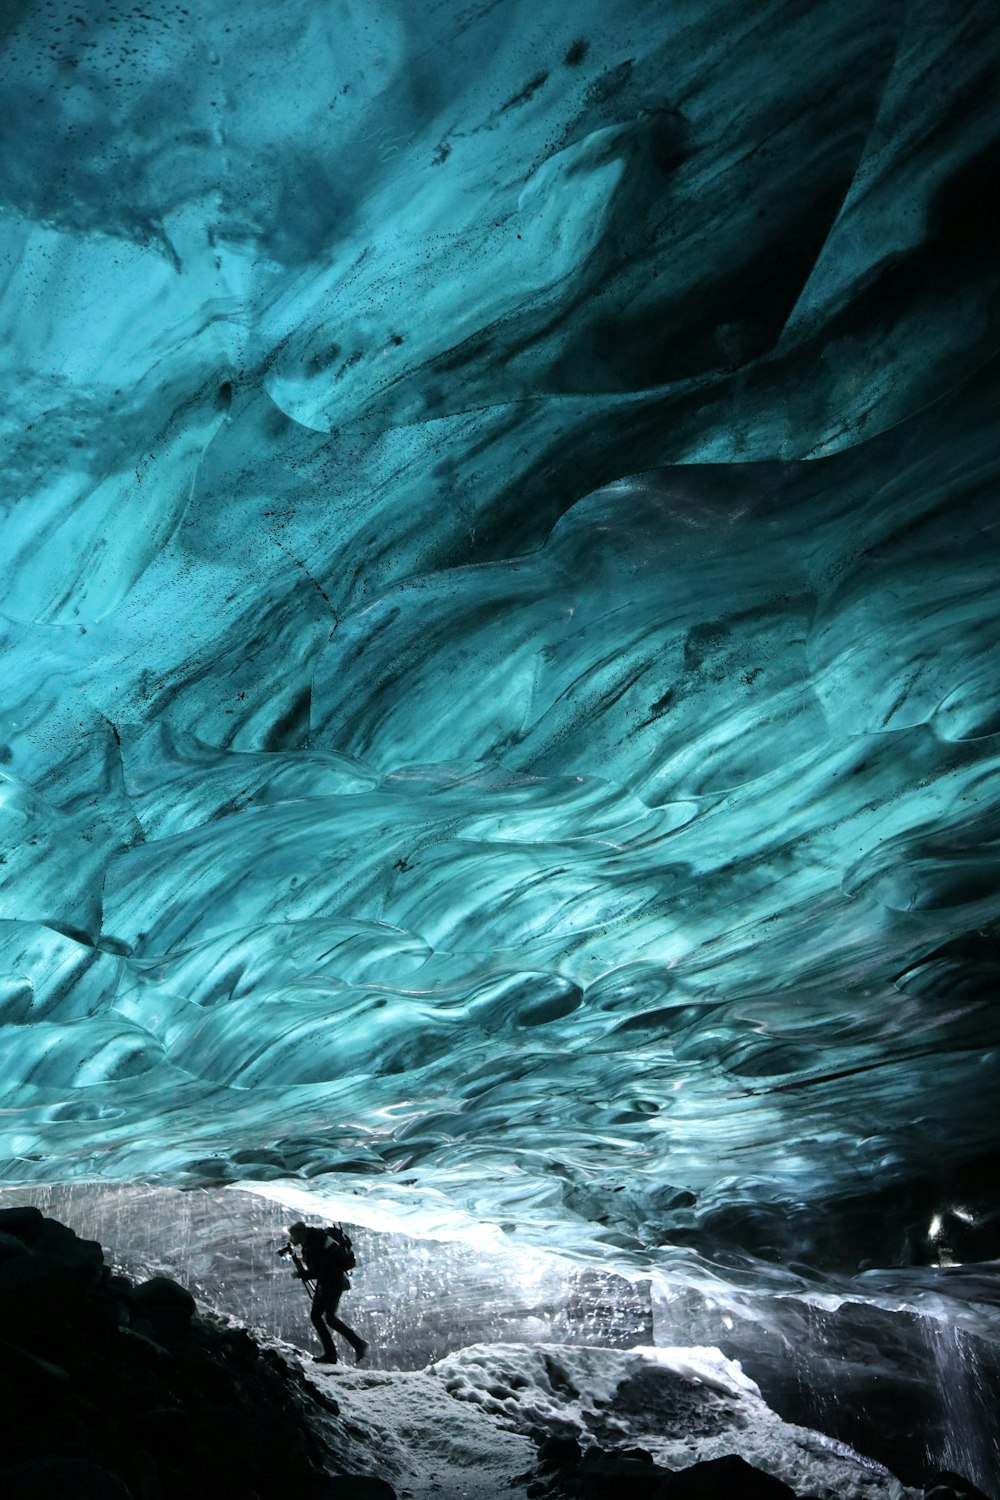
[[499, 615]]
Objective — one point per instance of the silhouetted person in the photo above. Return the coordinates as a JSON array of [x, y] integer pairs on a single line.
[[327, 1256]]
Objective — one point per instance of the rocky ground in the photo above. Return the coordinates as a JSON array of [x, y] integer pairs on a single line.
[[112, 1390]]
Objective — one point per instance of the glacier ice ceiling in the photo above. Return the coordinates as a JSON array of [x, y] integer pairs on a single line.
[[500, 702]]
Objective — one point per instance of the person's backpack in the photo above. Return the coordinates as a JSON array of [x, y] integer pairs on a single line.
[[339, 1255]]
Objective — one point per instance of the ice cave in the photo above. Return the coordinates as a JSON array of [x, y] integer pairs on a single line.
[[500, 714]]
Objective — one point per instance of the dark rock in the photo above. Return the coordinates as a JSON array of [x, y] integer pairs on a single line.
[[163, 1304], [144, 1475], [619, 1461], [46, 1272], [26, 1223], [91, 1409], [34, 1272], [11, 1245], [619, 1474], [559, 1452], [33, 1374], [117, 1292], [142, 1330], [85, 1256], [724, 1479], [945, 1485], [73, 1478], [159, 1294]]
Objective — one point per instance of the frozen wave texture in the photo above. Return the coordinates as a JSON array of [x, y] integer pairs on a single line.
[[499, 651]]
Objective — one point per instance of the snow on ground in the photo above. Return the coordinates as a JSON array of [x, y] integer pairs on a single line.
[[405, 1427], [462, 1428]]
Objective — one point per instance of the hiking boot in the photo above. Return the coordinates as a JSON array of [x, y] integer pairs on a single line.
[[360, 1350], [324, 1359]]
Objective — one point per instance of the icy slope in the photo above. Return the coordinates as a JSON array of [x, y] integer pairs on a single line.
[[681, 1406]]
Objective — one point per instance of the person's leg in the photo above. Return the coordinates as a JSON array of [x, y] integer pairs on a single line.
[[329, 1355], [357, 1343]]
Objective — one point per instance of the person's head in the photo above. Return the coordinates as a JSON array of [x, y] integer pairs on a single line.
[[297, 1233]]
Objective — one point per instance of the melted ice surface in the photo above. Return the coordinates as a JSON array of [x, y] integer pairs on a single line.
[[682, 1406]]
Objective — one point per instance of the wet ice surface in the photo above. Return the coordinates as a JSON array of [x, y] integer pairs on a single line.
[[680, 1405]]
